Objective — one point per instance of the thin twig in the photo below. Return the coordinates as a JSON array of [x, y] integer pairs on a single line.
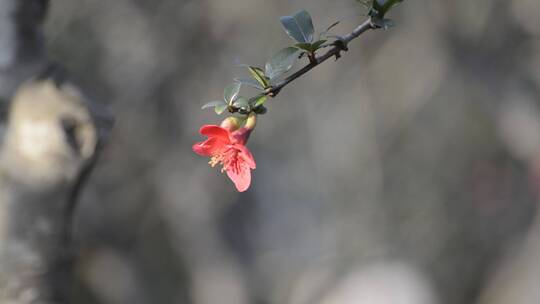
[[339, 46]]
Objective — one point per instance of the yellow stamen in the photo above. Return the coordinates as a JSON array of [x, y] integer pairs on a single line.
[[215, 160]]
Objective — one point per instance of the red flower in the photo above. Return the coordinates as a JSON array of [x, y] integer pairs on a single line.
[[227, 148]]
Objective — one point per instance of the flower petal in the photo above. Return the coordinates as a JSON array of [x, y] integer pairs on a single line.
[[240, 136], [241, 179], [209, 147], [214, 131], [246, 156]]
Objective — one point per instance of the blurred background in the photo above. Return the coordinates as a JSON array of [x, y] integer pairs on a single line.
[[407, 172]]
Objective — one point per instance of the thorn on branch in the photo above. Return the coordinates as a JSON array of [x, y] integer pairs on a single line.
[[341, 46]]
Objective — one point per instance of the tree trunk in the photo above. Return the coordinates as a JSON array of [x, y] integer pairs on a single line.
[[49, 145]]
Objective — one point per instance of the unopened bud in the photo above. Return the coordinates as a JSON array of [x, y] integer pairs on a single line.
[[251, 121], [231, 123]]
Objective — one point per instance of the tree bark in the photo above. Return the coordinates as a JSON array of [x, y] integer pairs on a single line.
[[50, 143]]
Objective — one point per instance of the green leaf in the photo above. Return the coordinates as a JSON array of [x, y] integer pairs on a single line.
[[249, 82], [213, 104], [281, 62], [299, 26], [258, 100], [304, 46], [219, 109], [310, 47], [259, 76], [242, 103], [317, 45], [390, 4], [331, 26], [379, 8], [324, 33], [231, 92]]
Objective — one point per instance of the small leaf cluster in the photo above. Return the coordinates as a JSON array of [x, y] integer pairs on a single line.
[[234, 103], [300, 28], [377, 10]]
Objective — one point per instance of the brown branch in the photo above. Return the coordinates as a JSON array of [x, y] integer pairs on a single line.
[[338, 46]]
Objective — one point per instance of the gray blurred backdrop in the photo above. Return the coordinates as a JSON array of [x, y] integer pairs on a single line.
[[407, 172]]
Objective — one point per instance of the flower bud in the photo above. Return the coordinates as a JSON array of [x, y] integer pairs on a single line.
[[251, 121], [231, 123]]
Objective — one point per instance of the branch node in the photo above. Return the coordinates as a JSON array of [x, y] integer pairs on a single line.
[[312, 58], [272, 91], [376, 23], [341, 45]]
